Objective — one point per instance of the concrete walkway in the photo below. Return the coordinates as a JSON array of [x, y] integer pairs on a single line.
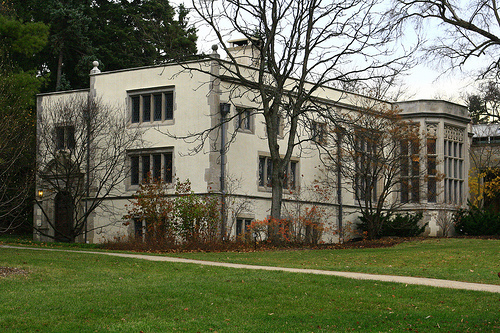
[[360, 276]]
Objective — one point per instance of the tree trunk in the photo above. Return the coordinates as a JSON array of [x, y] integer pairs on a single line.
[[59, 70], [277, 197]]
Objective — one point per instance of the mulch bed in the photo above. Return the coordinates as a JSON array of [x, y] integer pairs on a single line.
[[7, 271]]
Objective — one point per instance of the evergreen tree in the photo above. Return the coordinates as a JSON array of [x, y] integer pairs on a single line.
[[119, 34], [19, 44]]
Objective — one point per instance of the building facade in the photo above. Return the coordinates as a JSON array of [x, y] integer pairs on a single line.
[[174, 105]]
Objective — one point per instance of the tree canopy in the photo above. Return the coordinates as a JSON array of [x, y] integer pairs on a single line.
[[119, 34], [468, 30], [19, 44]]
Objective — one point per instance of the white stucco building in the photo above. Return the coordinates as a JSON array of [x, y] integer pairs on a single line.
[[171, 101]]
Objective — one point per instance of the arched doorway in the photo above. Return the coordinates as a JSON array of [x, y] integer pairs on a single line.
[[63, 217]]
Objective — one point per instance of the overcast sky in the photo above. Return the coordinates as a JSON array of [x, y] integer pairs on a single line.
[[425, 81]]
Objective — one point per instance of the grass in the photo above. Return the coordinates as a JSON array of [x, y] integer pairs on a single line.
[[470, 260], [77, 292]]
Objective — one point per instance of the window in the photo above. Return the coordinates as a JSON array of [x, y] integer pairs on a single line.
[[453, 170], [242, 225], [156, 166], [410, 171], [244, 119], [139, 229], [431, 170], [147, 107], [318, 132], [65, 137], [266, 170], [366, 165]]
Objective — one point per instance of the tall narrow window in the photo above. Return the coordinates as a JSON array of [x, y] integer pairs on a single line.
[[146, 168], [134, 170], [146, 108], [410, 171], [431, 170], [453, 165], [168, 167], [157, 107], [136, 109], [366, 165], [169, 105]]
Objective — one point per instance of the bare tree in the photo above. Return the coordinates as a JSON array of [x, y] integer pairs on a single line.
[[307, 212], [468, 30], [235, 204], [298, 49], [484, 104], [82, 150], [379, 161]]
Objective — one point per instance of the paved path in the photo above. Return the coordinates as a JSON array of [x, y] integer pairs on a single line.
[[360, 276]]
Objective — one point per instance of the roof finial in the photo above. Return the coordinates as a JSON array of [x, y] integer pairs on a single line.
[[96, 69]]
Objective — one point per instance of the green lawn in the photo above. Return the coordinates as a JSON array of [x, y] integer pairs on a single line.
[[470, 260], [77, 292]]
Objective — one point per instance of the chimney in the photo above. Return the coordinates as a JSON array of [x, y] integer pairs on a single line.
[[245, 51]]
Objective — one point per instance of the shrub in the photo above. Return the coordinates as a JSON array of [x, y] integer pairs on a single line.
[[305, 229], [477, 222], [185, 217], [399, 225], [406, 225]]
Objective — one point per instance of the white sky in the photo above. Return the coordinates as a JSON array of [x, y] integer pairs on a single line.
[[422, 82]]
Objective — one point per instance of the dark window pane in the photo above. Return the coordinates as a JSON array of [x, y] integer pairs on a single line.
[[431, 165], [70, 133], [415, 147], [431, 146], [431, 188], [404, 147], [404, 190], [156, 167], [239, 227], [157, 104], [60, 137], [138, 229], [136, 116], [415, 166], [146, 168], [169, 105], [134, 170], [146, 108], [168, 167], [262, 165], [269, 172], [415, 190], [404, 166], [293, 172]]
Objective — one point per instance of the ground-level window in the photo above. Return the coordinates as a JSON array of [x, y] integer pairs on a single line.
[[266, 170], [139, 229], [242, 227], [156, 166]]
